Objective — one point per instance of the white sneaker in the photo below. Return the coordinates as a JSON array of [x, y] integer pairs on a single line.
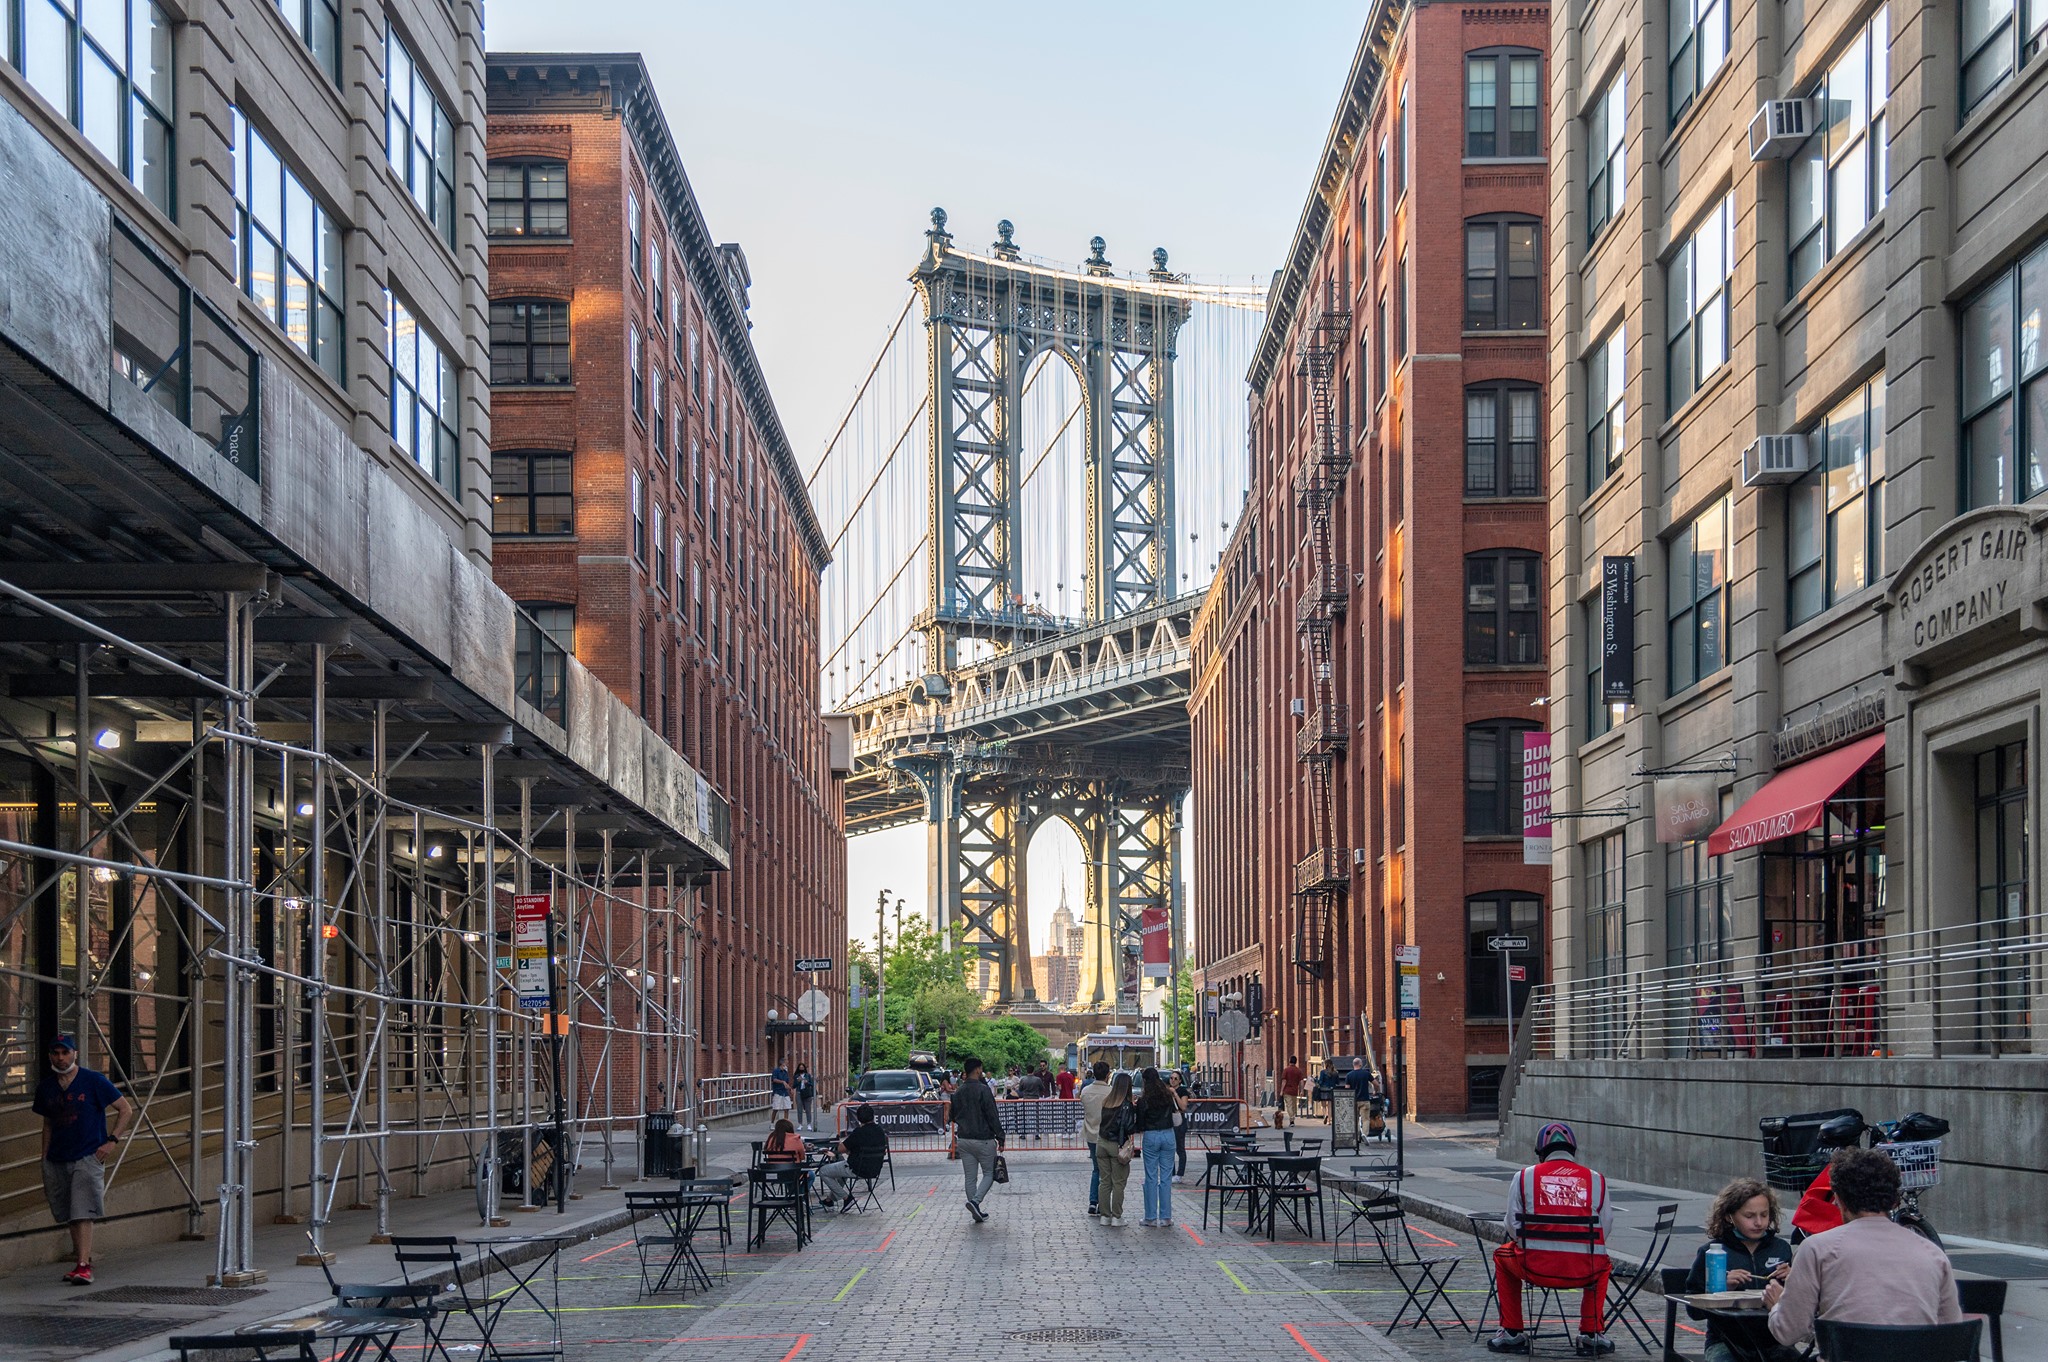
[[1121, 1222], [1107, 1220]]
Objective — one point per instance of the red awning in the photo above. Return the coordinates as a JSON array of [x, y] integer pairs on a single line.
[[1793, 800]]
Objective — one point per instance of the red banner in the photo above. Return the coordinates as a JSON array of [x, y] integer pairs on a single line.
[[1154, 929]]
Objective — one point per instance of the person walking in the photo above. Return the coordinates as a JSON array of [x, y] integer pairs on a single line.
[[1094, 1092], [1180, 1126], [806, 1088], [978, 1134], [1158, 1113], [1290, 1090], [77, 1142], [1063, 1081], [780, 1099], [1117, 1126]]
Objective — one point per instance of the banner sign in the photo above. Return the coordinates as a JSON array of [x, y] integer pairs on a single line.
[[1153, 930], [1343, 1118], [904, 1118], [1535, 799], [530, 949], [1618, 630], [1687, 807], [1207, 1115], [1408, 965]]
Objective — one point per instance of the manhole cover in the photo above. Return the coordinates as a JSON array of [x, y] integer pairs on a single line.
[[171, 1295], [79, 1334], [1068, 1334]]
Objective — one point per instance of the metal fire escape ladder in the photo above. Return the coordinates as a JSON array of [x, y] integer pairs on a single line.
[[1321, 877]]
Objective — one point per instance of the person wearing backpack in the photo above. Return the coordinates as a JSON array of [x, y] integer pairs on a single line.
[[1116, 1144]]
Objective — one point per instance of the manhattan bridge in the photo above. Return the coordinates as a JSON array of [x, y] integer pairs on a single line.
[[1025, 500]]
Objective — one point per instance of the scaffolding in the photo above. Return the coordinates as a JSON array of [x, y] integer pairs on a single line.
[[301, 978]]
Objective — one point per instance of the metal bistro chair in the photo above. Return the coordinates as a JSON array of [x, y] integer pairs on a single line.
[[1622, 1291], [1294, 1188], [776, 1194], [296, 1346], [1225, 1177], [1394, 1250], [1841, 1342], [657, 1234], [865, 1193], [433, 1253], [707, 1203]]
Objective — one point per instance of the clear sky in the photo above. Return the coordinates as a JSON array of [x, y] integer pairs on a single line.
[[820, 135]]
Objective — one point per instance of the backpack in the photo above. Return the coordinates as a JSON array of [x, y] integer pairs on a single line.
[[1119, 1123]]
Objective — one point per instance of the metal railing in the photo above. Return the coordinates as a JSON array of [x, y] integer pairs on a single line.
[[731, 1095], [1968, 989]]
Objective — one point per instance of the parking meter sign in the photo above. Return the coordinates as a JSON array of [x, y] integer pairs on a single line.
[[530, 949]]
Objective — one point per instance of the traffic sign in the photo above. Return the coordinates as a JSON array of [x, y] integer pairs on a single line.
[[1234, 1026], [1518, 974], [1507, 943], [813, 1006], [530, 948], [814, 964]]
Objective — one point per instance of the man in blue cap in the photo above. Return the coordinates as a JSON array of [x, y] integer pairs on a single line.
[[77, 1143]]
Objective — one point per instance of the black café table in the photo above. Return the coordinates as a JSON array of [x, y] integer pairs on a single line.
[[357, 1336], [1744, 1322], [523, 1281]]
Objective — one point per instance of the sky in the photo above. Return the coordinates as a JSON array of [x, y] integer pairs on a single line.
[[819, 136]]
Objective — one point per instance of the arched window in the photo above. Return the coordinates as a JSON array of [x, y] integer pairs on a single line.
[[1503, 608], [1489, 986], [529, 197], [1501, 441], [1503, 99], [1493, 777], [1503, 273], [529, 341]]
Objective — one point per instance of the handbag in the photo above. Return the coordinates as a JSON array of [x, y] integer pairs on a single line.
[[1002, 1169], [1128, 1150]]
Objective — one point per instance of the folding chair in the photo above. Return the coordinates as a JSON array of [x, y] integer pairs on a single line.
[[707, 1208], [429, 1255], [1622, 1291], [296, 1346], [352, 1295], [1224, 1178], [1313, 1146], [1841, 1342], [1394, 1250], [867, 1177], [657, 1233], [1549, 1298], [776, 1194], [1673, 1281], [1294, 1187]]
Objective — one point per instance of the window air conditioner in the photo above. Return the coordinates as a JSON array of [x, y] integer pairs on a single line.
[[1297, 707], [1779, 127], [1773, 459]]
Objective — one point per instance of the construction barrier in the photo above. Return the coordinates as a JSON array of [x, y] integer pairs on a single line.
[[1029, 1122]]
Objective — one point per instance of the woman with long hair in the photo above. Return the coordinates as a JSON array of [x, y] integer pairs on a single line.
[[1115, 1133], [784, 1145], [1158, 1114], [806, 1097]]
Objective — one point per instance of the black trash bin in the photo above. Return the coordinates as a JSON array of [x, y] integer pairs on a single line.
[[657, 1153]]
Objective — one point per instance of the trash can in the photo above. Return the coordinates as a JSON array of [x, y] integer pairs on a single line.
[[657, 1156]]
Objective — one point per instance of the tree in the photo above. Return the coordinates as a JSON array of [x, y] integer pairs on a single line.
[[1001, 1043], [1183, 1003]]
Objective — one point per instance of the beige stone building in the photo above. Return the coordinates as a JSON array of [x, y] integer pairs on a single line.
[[1798, 425]]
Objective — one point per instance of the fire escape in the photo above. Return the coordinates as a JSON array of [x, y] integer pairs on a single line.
[[1321, 877]]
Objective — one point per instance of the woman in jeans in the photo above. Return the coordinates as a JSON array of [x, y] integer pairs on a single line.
[[1158, 1112], [806, 1097], [1119, 1123]]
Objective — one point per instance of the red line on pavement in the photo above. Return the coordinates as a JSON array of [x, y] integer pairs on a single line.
[[1297, 1338], [627, 1243], [885, 1241], [1192, 1235], [1435, 1238], [797, 1349]]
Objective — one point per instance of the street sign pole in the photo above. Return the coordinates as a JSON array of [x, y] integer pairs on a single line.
[[1507, 1001]]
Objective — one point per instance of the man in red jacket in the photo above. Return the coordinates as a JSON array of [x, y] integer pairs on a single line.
[[1544, 1249]]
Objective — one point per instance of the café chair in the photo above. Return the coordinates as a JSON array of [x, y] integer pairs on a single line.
[[295, 1346], [1624, 1287], [1226, 1176], [776, 1194], [432, 1254], [1424, 1278], [1985, 1296], [1840, 1342], [1673, 1280], [1294, 1188]]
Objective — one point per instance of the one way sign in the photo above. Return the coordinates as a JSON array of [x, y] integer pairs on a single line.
[[820, 964], [1507, 943]]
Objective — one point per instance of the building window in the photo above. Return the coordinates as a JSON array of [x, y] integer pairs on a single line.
[[636, 248], [636, 367], [1836, 181], [529, 198], [1381, 198], [1697, 894], [2005, 442], [318, 24], [287, 250], [696, 366], [697, 598], [2010, 984], [1501, 442], [1503, 608], [1606, 905], [660, 533], [659, 401], [1698, 597], [1699, 44], [1835, 514], [1697, 302], [544, 637], [676, 556], [1379, 353], [1606, 154], [529, 341], [419, 137], [1999, 36], [1493, 778], [1606, 406], [1488, 990], [108, 73], [1401, 307], [1401, 143], [532, 493], [1599, 713], [423, 393], [637, 498], [655, 256], [697, 472], [1502, 91], [1502, 275]]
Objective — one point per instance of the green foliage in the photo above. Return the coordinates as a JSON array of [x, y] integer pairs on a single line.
[[1002, 1043], [1183, 1003]]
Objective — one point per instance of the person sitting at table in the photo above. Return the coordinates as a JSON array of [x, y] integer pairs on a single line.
[[784, 1145], [862, 1150], [1867, 1270], [1744, 1221], [1553, 1255]]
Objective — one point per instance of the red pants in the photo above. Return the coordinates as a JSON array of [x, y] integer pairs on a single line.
[[1512, 1267]]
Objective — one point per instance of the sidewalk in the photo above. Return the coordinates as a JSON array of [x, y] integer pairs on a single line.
[[142, 1296]]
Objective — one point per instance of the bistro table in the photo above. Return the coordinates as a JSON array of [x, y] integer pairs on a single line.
[[357, 1335], [523, 1276], [1743, 1319]]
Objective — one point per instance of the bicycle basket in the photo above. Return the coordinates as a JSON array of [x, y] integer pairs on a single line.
[[1919, 1162], [1794, 1172]]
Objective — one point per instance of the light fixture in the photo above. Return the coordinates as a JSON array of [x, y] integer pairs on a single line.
[[773, 1014], [1539, 702], [632, 974], [435, 851], [328, 931], [142, 976], [292, 905], [102, 875], [107, 739], [305, 808], [472, 937]]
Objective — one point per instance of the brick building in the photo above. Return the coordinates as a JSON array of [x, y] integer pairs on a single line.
[[1396, 472], [650, 517]]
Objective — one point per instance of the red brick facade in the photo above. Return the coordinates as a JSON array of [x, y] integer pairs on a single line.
[[701, 611], [1403, 524]]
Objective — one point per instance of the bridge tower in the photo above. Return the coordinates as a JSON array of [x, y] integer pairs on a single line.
[[988, 318]]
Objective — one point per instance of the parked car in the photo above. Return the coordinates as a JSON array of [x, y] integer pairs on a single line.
[[894, 1085]]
